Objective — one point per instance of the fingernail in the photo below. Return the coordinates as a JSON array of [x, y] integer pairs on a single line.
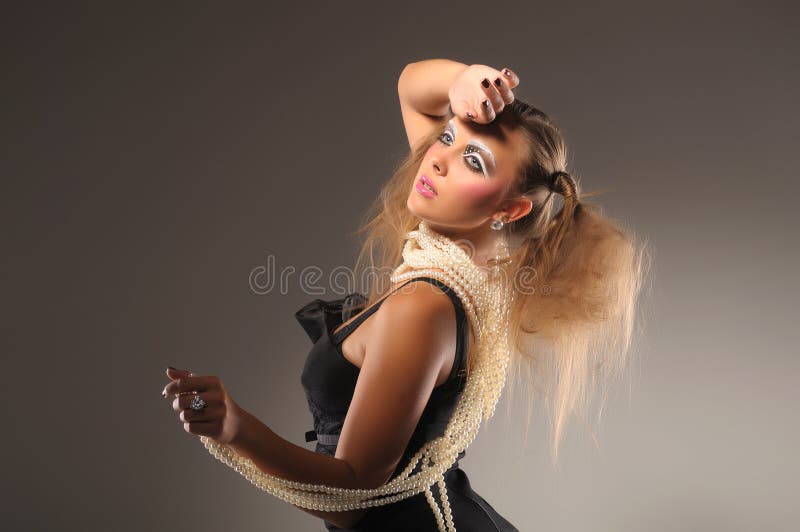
[[507, 72], [164, 393], [498, 82], [173, 369], [487, 103], [485, 83]]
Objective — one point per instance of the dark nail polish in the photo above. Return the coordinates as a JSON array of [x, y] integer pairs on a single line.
[[173, 369], [486, 102], [498, 82], [507, 72], [485, 83]]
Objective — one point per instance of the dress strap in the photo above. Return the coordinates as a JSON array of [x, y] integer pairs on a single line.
[[342, 333]]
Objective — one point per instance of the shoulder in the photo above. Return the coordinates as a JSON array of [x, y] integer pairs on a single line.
[[419, 316], [416, 300]]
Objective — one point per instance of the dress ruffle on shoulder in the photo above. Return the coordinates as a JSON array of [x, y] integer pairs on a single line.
[[321, 314]]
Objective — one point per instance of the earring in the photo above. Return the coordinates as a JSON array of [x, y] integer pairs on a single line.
[[501, 255]]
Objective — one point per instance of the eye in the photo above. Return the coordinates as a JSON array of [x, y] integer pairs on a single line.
[[473, 155], [448, 134], [472, 160]]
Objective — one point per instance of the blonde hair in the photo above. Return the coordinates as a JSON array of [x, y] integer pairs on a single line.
[[577, 273]]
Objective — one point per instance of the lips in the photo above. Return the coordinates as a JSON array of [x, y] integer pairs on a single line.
[[425, 181]]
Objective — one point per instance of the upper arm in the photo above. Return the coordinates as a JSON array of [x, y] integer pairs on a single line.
[[408, 344]]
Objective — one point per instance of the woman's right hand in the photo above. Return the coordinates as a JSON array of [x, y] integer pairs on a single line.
[[468, 94]]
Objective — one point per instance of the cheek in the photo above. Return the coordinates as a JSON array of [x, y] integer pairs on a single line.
[[479, 194]]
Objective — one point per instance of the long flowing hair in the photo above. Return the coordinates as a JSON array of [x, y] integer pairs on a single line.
[[578, 273]]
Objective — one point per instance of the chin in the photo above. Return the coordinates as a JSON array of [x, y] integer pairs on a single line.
[[414, 208], [411, 207]]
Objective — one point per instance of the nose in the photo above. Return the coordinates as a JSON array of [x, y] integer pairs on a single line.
[[438, 166]]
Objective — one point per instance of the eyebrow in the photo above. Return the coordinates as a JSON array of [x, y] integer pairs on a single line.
[[475, 142]]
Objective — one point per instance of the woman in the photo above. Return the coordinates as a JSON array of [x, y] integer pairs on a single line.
[[400, 381]]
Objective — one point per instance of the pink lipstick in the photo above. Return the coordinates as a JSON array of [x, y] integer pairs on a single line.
[[425, 187]]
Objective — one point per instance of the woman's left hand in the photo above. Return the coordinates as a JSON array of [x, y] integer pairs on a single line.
[[220, 419]]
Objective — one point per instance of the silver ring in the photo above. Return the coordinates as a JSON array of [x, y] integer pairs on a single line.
[[197, 403]]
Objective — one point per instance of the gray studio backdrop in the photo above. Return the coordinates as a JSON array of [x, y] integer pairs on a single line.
[[155, 154]]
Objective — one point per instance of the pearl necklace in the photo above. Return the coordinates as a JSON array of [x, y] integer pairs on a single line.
[[487, 299]]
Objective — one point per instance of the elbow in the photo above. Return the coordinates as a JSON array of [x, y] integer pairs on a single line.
[[374, 480], [405, 70], [367, 480], [401, 81], [403, 77]]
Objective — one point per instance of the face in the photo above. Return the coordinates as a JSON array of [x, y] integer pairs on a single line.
[[470, 169]]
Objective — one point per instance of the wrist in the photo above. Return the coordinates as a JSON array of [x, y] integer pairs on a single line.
[[243, 430]]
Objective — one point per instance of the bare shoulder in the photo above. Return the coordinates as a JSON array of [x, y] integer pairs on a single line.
[[418, 309], [419, 297]]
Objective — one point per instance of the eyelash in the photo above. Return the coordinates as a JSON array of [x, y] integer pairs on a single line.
[[480, 170]]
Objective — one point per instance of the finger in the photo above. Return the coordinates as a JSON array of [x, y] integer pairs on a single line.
[[487, 113], [510, 77], [202, 428], [174, 373], [182, 402], [205, 415], [492, 93], [190, 384], [464, 110], [504, 89]]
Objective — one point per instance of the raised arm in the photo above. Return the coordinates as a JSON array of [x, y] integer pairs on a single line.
[[423, 91]]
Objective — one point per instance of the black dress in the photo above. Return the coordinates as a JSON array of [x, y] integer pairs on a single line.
[[329, 380]]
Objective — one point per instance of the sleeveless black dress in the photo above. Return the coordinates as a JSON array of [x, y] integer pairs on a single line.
[[329, 380]]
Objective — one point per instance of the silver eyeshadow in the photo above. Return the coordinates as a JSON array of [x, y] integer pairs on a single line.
[[474, 142]]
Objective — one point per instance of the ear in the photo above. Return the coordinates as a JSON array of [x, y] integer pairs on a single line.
[[517, 208]]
